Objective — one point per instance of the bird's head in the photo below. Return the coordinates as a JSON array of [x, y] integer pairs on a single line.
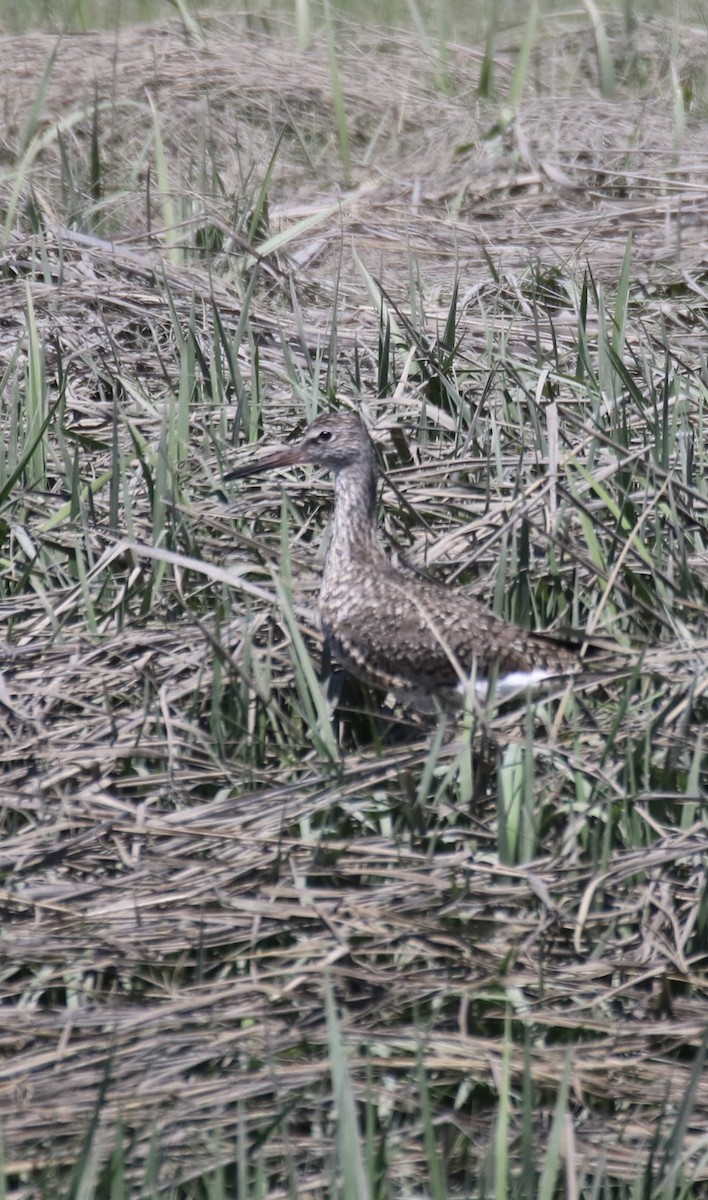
[[336, 441]]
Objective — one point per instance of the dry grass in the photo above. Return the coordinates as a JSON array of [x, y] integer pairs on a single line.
[[184, 855]]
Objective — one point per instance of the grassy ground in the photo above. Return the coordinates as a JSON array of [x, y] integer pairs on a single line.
[[249, 948]]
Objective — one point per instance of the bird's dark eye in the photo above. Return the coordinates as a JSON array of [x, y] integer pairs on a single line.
[[325, 435]]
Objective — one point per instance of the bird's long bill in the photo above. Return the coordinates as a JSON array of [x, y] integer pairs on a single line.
[[279, 458]]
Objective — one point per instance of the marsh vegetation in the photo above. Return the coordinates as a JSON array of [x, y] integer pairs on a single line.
[[250, 949]]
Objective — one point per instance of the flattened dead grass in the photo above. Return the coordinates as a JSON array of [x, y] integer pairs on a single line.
[[180, 865]]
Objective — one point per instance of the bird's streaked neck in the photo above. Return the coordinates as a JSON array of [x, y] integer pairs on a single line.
[[352, 525]]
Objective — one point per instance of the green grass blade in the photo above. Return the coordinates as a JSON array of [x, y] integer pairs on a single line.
[[518, 79], [35, 400], [485, 87], [351, 1160], [503, 1119], [622, 301], [436, 1179], [280, 240], [260, 207], [509, 799], [303, 24], [315, 703], [552, 1157], [605, 65], [38, 101], [170, 232], [340, 111]]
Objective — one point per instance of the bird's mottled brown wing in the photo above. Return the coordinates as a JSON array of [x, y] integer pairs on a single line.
[[402, 629]]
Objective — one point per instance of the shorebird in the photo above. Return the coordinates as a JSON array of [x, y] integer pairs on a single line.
[[389, 626]]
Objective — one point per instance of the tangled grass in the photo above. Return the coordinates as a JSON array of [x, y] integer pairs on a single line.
[[250, 947]]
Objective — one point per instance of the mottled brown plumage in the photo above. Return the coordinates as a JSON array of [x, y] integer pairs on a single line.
[[388, 625]]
